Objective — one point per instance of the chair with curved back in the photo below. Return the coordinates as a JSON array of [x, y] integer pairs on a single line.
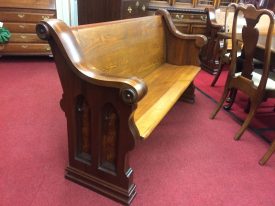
[[257, 86], [225, 43], [209, 55]]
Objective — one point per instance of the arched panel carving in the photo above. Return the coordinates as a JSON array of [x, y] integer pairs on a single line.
[[83, 118], [109, 138]]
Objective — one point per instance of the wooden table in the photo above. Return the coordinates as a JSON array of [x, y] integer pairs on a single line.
[[259, 53]]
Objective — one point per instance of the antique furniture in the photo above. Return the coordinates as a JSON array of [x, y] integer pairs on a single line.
[[225, 44], [256, 85], [257, 61], [211, 52], [20, 18], [92, 11], [210, 61], [191, 17], [117, 87]]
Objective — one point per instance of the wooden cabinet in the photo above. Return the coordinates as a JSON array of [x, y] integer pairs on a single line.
[[20, 17], [189, 16], [189, 22], [93, 11]]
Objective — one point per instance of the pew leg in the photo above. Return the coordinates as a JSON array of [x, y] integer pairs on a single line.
[[189, 94], [99, 142]]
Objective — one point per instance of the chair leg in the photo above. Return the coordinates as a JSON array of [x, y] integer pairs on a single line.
[[247, 108], [247, 120], [214, 113], [268, 154], [217, 75], [231, 99]]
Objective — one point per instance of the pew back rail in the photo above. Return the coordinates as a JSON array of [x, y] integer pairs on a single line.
[[119, 80]]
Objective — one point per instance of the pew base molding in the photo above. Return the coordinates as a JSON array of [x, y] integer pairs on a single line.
[[100, 186]]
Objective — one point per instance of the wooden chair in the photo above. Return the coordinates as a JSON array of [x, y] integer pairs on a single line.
[[225, 44], [210, 53], [256, 86]]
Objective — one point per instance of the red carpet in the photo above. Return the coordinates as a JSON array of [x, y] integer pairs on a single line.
[[189, 160], [263, 122]]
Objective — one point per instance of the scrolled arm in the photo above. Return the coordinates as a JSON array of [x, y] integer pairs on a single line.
[[63, 43], [200, 40]]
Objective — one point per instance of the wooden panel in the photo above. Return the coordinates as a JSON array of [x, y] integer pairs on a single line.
[[10, 16], [184, 28], [25, 48], [25, 38], [198, 29], [132, 9], [92, 11], [31, 4], [166, 84], [122, 42], [20, 27]]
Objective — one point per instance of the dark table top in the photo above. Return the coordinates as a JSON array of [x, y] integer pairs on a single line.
[[259, 54], [261, 40]]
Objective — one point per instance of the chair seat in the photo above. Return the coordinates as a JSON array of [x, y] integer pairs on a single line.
[[256, 77]]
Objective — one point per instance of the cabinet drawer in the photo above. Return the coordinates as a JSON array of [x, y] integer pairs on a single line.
[[9, 16], [25, 38], [185, 17], [184, 28], [25, 48], [20, 27], [198, 29]]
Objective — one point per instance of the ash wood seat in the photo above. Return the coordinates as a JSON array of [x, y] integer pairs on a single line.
[[166, 85], [119, 80]]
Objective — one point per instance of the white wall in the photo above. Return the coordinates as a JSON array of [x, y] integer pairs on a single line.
[[67, 11]]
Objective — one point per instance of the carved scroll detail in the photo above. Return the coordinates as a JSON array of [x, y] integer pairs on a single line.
[[110, 125], [42, 31], [83, 129]]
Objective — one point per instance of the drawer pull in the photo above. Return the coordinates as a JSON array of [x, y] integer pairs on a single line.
[[21, 26], [203, 18], [45, 17], [129, 9], [23, 37], [21, 15], [48, 49], [137, 4], [177, 16], [143, 7], [24, 46]]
